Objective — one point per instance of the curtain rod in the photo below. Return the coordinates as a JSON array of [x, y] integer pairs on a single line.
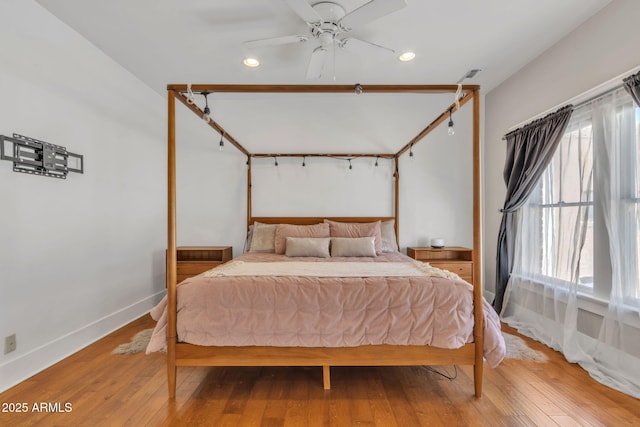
[[579, 100]]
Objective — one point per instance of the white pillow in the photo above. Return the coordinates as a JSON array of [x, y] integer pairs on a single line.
[[307, 247], [264, 238], [353, 246], [388, 232]]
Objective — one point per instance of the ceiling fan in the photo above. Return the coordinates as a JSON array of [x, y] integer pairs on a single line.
[[328, 22]]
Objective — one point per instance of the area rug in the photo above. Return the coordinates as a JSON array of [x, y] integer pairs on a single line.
[[138, 343], [516, 347]]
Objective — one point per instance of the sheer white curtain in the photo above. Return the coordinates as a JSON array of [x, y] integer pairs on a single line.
[[575, 282]]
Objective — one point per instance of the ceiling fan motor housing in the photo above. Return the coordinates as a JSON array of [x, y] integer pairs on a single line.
[[328, 28]]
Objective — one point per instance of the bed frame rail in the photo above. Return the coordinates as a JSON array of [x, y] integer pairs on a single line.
[[370, 355]]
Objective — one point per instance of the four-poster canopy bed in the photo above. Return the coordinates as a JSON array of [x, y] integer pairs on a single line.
[[180, 353]]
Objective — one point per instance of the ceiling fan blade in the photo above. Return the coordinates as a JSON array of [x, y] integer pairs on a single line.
[[370, 12], [275, 41], [304, 11], [316, 63], [362, 46]]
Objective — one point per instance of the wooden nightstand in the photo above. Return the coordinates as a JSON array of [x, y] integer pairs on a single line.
[[453, 258], [193, 260]]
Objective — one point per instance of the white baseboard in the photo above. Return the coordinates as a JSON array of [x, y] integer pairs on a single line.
[[19, 369]]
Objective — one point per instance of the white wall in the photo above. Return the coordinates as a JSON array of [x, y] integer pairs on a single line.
[[83, 256], [600, 49], [211, 186], [435, 186]]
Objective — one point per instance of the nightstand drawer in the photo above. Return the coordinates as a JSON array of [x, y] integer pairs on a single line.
[[191, 268], [460, 268], [456, 259]]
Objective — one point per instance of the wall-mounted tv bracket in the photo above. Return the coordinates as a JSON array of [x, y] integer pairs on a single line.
[[37, 157]]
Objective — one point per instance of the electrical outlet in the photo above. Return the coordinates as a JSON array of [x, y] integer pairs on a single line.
[[9, 343]]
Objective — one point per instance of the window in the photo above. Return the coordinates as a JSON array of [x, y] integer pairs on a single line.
[[564, 201], [581, 225]]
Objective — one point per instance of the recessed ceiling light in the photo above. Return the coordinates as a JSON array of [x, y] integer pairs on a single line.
[[407, 56], [251, 62]]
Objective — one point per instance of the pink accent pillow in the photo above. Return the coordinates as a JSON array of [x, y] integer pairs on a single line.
[[357, 229], [353, 246], [308, 247], [287, 230]]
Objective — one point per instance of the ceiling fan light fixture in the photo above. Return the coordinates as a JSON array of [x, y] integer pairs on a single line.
[[251, 62], [407, 56]]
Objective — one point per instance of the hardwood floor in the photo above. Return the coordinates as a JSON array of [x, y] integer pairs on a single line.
[[99, 388]]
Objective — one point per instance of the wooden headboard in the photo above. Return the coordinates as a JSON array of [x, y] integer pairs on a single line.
[[308, 220]]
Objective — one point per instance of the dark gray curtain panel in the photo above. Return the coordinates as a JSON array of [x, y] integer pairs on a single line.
[[632, 85], [529, 151]]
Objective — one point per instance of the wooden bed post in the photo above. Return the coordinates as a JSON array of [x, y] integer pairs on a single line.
[[171, 245], [248, 192], [478, 335], [397, 201]]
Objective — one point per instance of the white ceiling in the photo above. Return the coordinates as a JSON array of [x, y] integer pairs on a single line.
[[201, 41]]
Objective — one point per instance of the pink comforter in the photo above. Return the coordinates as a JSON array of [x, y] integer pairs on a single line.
[[327, 311]]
